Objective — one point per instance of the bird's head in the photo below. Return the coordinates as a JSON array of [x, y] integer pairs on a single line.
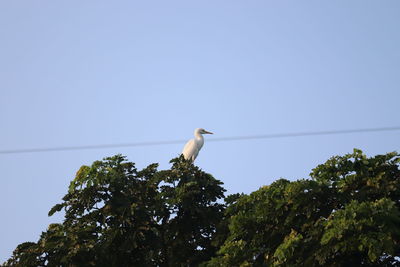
[[202, 131]]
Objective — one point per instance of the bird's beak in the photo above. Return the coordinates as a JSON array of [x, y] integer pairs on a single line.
[[206, 132]]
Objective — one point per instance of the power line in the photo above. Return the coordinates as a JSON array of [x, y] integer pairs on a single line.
[[221, 139], [299, 134]]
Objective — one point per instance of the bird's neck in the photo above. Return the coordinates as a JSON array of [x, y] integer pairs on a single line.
[[198, 136]]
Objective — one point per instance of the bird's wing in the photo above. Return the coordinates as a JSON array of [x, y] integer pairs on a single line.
[[189, 149]]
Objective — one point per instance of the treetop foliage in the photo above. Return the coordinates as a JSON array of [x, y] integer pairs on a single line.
[[346, 214]]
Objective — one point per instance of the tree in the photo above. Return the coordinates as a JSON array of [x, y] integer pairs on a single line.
[[346, 215], [192, 213], [116, 215]]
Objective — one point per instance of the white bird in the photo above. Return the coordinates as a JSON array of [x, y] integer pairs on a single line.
[[193, 146]]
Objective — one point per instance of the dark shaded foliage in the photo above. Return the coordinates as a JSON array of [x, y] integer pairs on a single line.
[[116, 215]]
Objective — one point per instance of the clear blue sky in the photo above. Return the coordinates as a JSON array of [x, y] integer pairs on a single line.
[[98, 72]]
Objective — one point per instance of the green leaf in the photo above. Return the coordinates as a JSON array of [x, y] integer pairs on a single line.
[[55, 209]]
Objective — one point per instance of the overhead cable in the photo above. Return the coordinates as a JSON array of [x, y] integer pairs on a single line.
[[220, 139]]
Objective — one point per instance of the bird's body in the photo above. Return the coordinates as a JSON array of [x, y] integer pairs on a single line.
[[193, 146]]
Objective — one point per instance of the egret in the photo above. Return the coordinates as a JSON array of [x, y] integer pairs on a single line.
[[193, 146]]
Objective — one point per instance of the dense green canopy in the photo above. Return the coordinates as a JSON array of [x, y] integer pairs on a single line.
[[347, 214]]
